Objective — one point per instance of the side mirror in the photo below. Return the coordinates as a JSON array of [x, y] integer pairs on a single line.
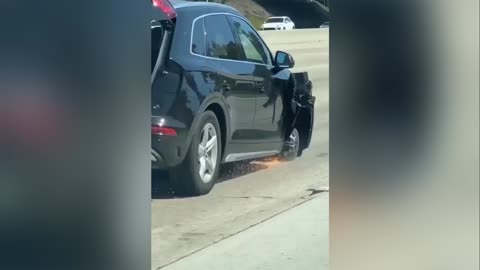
[[284, 60]]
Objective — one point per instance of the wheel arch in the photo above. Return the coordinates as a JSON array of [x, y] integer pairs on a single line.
[[218, 106], [219, 112]]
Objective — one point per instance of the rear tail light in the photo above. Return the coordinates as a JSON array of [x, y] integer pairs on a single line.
[[166, 7], [163, 131]]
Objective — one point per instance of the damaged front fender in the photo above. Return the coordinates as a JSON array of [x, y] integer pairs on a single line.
[[300, 114]]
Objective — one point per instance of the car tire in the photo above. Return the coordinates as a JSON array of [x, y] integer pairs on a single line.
[[197, 174], [292, 147]]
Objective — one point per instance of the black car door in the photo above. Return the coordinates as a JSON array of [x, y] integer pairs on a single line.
[[232, 76], [269, 103]]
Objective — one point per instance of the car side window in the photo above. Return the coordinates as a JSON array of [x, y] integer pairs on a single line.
[[198, 37], [220, 42], [252, 45]]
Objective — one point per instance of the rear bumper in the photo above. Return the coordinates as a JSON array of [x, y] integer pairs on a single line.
[[168, 151], [157, 160]]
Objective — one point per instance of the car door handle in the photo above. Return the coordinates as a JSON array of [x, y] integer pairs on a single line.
[[259, 85], [226, 87], [209, 75]]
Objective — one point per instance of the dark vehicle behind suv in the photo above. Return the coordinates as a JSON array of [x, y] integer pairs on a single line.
[[219, 96]]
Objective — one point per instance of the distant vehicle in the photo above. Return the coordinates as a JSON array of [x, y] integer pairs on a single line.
[[325, 25], [278, 23]]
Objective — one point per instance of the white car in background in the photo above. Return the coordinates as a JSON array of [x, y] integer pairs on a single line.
[[278, 23]]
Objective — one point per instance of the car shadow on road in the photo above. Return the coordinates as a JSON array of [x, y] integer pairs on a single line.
[[161, 188]]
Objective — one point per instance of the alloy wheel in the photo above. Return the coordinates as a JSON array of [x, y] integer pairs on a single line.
[[208, 152], [293, 140]]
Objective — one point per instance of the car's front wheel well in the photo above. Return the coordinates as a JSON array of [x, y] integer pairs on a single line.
[[222, 121]]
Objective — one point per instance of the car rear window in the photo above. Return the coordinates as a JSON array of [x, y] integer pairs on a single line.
[[220, 42]]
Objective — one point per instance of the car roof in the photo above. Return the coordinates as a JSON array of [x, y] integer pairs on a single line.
[[215, 7], [196, 8]]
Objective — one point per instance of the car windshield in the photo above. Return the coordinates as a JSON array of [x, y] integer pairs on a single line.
[[274, 20]]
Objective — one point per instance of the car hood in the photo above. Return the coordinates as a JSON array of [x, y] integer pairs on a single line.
[[273, 25]]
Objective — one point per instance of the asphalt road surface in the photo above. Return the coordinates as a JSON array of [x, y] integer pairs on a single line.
[[254, 199], [295, 239]]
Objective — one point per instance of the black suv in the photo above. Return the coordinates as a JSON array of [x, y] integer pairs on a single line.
[[219, 96]]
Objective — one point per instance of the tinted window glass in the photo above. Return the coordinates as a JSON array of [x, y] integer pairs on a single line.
[[275, 20], [251, 44], [198, 39], [220, 40]]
